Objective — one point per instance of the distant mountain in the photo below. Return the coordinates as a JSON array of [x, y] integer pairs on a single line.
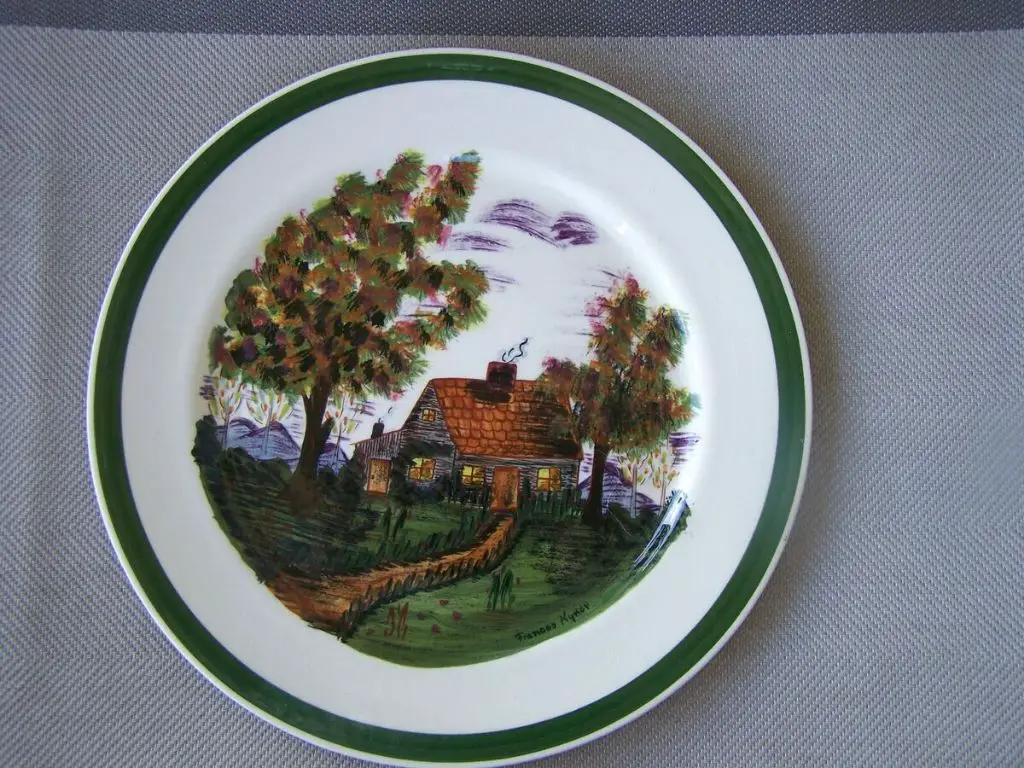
[[618, 491], [329, 459], [278, 444]]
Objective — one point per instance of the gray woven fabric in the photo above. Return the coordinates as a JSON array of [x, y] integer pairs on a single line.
[[617, 18], [890, 172]]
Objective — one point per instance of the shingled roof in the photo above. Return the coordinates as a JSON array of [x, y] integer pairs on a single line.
[[487, 421]]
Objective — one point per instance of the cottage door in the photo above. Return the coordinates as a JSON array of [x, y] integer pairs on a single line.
[[379, 476], [505, 489]]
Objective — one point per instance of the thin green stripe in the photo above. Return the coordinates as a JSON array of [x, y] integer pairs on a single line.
[[401, 744]]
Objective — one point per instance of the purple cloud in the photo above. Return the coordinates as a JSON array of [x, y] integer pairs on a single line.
[[574, 229], [521, 215], [475, 241], [565, 230]]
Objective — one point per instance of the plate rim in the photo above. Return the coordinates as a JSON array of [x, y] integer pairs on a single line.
[[546, 737]]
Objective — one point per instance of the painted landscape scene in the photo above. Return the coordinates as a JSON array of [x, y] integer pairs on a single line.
[[439, 423]]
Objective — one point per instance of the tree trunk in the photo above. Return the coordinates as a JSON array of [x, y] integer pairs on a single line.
[[313, 440], [592, 509]]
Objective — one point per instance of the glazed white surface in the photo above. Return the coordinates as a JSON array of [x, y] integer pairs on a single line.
[[651, 222]]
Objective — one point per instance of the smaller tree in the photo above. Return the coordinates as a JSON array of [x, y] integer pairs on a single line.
[[636, 469], [623, 398], [223, 396], [342, 411], [268, 406], [664, 463]]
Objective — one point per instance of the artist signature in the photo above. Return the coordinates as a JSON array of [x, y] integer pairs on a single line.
[[567, 617]]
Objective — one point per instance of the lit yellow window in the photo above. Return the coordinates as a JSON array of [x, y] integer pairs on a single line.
[[428, 414], [472, 475], [422, 469], [549, 479]]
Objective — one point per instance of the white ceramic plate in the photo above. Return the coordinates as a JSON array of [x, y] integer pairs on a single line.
[[449, 406]]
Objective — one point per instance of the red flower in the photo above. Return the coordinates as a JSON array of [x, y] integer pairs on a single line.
[[456, 615], [435, 629], [406, 203]]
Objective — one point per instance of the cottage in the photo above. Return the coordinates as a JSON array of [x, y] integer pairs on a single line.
[[498, 431]]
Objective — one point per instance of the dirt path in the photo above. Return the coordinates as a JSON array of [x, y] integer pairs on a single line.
[[338, 603]]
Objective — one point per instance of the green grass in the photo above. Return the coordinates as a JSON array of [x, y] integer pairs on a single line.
[[560, 569], [559, 572], [343, 533], [424, 520]]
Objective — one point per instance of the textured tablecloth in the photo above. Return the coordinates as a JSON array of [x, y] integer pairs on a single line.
[[884, 151]]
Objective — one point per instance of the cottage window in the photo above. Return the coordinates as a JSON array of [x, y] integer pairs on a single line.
[[428, 414], [422, 469], [472, 475], [549, 479]]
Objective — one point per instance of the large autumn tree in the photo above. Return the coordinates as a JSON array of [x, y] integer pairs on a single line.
[[622, 398], [345, 300]]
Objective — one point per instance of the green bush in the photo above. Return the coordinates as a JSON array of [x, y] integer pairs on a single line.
[[251, 502], [553, 504], [626, 530], [571, 555]]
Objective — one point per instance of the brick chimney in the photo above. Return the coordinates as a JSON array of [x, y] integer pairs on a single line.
[[501, 375]]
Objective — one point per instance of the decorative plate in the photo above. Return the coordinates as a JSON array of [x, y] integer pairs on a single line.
[[449, 406]]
